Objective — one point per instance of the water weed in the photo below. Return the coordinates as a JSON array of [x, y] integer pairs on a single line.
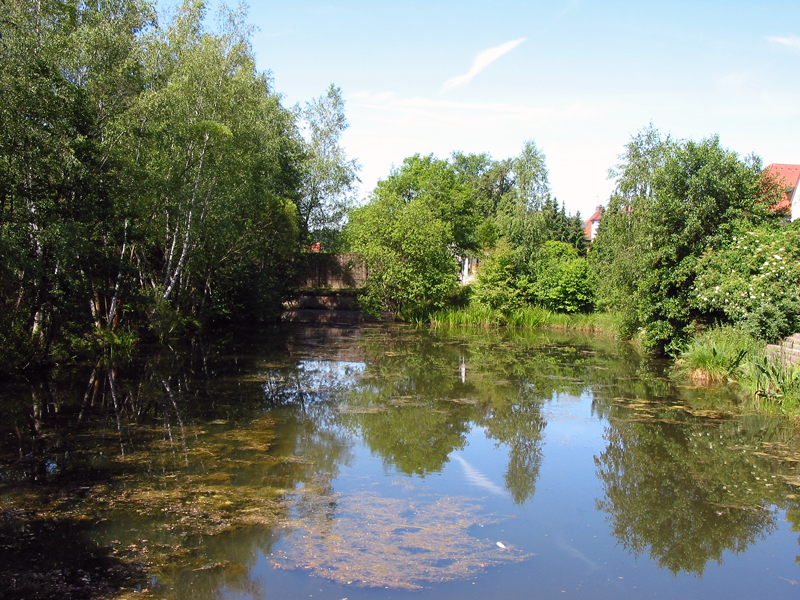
[[774, 383]]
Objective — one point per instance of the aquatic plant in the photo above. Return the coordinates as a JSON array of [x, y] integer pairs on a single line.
[[479, 315], [716, 355], [375, 541], [774, 383], [475, 314]]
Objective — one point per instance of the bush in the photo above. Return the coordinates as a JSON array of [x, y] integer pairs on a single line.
[[556, 279], [675, 202], [754, 283], [563, 281], [501, 285]]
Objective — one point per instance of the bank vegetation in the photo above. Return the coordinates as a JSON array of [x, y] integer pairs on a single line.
[[153, 184], [692, 260]]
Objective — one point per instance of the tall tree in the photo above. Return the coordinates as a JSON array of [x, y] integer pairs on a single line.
[[329, 177], [409, 232], [221, 157], [674, 201], [533, 188], [70, 73]]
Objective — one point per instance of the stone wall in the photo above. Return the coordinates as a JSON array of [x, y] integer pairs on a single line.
[[320, 270], [788, 351]]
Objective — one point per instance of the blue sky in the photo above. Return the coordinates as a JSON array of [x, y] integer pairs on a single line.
[[577, 77]]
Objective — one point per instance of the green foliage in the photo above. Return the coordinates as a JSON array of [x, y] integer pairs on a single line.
[[774, 383], [471, 204], [407, 235], [480, 315], [435, 183], [562, 281], [328, 177], [754, 282], [501, 286], [222, 163], [148, 174], [70, 73], [674, 202], [556, 279], [532, 187], [476, 315], [513, 198], [530, 316]]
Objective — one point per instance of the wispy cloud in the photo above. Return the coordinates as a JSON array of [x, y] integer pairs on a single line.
[[483, 60], [448, 110], [478, 479], [792, 41]]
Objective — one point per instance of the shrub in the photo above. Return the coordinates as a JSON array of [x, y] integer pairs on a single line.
[[501, 286], [563, 281], [754, 283]]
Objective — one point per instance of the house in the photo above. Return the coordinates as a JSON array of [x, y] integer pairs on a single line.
[[590, 230], [788, 175]]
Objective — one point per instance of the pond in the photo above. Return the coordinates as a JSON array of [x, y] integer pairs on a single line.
[[387, 461]]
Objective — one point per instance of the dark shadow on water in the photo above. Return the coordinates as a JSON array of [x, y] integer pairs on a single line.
[[42, 559]]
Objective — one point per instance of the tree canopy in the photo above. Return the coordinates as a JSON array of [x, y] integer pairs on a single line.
[[674, 201], [431, 211], [151, 177]]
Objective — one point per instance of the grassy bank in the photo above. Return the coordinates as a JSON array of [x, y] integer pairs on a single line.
[[726, 355], [531, 316]]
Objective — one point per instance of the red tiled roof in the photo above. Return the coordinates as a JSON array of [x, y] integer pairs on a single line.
[[587, 230], [598, 213], [788, 176]]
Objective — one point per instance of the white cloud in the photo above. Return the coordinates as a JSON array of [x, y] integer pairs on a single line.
[[483, 60], [448, 109], [792, 41]]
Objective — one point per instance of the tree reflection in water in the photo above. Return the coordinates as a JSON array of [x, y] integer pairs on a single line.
[[684, 482], [216, 450]]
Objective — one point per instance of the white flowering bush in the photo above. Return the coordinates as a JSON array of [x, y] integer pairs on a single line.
[[754, 283]]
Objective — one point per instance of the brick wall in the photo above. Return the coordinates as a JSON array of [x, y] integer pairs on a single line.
[[330, 271]]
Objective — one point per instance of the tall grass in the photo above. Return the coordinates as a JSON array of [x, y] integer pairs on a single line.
[[774, 384], [475, 315], [478, 315], [718, 355], [729, 355]]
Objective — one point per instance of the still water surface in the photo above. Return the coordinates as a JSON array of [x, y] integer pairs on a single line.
[[393, 462]]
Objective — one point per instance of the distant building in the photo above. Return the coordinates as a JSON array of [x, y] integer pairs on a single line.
[[469, 270], [788, 176], [590, 230]]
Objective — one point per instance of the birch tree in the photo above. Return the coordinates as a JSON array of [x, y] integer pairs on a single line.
[[329, 177], [219, 153], [69, 74]]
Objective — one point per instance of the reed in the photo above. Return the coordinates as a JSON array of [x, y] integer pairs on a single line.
[[475, 315], [478, 315], [773, 383]]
